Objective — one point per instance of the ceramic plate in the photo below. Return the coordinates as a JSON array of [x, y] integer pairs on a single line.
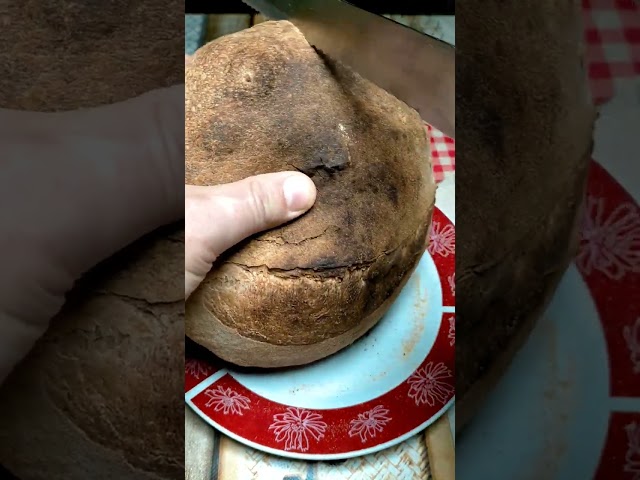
[[387, 386], [569, 406]]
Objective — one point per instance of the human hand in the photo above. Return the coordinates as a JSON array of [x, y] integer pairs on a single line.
[[76, 187], [218, 217]]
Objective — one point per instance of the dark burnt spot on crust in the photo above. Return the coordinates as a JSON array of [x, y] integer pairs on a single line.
[[392, 271], [363, 119], [293, 74], [392, 193], [326, 262], [334, 67], [329, 152], [349, 219], [371, 301], [328, 160], [381, 178], [261, 84], [349, 84], [222, 138]]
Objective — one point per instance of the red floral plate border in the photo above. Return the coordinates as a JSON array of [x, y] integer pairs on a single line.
[[339, 432], [609, 263]]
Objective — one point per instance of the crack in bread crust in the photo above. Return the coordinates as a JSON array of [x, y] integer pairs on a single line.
[[285, 107], [302, 307]]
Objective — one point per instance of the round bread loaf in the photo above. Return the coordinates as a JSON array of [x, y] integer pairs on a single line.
[[524, 107], [263, 100], [101, 395]]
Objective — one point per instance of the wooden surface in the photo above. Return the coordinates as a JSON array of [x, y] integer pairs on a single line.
[[199, 443], [440, 449]]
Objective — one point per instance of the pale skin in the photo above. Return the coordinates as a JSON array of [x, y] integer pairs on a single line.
[[77, 187], [216, 218]]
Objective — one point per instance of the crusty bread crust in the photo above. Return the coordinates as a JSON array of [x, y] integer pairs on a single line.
[[527, 118], [232, 346], [240, 350], [263, 100]]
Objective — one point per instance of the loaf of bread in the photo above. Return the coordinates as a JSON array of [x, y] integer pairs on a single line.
[[100, 397], [526, 120], [263, 100]]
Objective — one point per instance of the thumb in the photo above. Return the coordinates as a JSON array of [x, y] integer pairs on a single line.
[[216, 218]]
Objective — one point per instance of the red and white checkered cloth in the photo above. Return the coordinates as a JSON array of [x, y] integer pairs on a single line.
[[443, 153], [613, 43]]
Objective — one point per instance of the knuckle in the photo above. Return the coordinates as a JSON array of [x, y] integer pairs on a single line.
[[258, 201]]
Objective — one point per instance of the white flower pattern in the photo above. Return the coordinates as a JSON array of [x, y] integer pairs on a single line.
[[196, 369], [632, 457], [369, 423], [610, 244], [227, 401], [429, 385], [442, 239], [452, 331], [451, 279], [632, 337], [295, 426]]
